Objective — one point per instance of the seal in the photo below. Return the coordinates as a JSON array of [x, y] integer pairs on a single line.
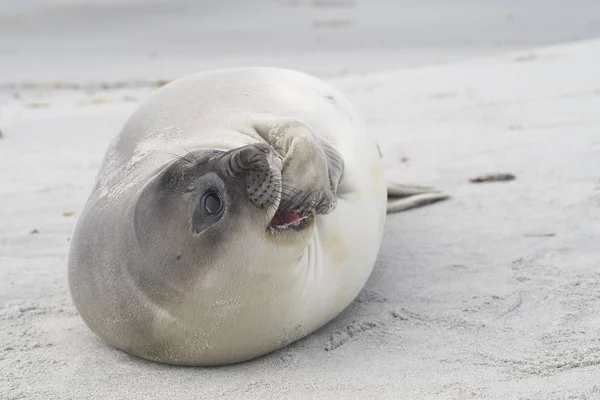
[[237, 211]]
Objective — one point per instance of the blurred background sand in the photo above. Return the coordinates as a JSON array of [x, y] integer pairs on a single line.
[[72, 40]]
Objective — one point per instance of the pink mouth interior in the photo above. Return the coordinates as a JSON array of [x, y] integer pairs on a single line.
[[287, 218]]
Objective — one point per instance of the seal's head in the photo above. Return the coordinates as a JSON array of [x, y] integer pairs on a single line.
[[210, 194]]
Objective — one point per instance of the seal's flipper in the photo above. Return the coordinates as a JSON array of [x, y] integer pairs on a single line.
[[405, 197]]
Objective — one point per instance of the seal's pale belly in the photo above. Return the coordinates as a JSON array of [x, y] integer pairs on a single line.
[[260, 290]]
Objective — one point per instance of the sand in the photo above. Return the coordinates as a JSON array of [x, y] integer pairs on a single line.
[[494, 294]]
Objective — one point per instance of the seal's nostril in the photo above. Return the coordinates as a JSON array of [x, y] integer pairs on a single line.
[[254, 158]]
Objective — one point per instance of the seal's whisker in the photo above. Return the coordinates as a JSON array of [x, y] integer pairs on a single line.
[[190, 153], [289, 196], [290, 191], [290, 188], [290, 181], [179, 157], [271, 204]]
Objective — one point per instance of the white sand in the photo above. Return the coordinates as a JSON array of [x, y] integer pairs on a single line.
[[494, 294]]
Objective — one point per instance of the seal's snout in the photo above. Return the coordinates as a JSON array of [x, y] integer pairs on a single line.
[[259, 167]]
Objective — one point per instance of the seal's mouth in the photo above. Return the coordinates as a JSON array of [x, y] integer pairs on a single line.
[[294, 219]]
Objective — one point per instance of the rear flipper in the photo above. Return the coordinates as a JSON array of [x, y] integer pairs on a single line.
[[405, 197]]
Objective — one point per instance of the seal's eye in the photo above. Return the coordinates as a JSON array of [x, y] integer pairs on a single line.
[[212, 203]]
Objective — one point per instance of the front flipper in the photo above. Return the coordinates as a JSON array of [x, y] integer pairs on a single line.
[[405, 197]]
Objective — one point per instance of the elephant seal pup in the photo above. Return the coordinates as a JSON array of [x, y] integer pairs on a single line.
[[263, 228]]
